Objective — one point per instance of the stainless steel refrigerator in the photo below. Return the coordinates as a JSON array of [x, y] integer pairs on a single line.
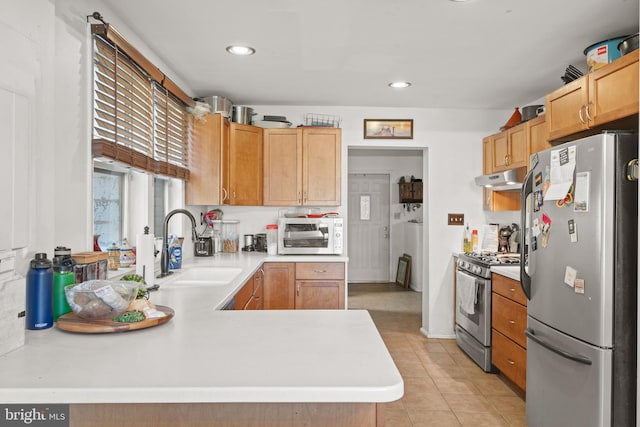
[[579, 271]]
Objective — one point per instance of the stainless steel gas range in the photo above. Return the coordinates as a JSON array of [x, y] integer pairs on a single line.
[[473, 303]]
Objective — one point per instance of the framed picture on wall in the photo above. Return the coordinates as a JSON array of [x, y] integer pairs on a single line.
[[388, 129]]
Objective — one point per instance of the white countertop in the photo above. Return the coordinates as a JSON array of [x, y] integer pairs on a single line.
[[204, 355], [510, 271]]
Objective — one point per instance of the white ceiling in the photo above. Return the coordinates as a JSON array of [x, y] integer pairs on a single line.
[[479, 54]]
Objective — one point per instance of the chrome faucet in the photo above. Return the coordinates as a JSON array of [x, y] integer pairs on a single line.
[[164, 260]]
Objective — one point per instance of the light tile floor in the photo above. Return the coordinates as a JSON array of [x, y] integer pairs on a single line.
[[442, 386]]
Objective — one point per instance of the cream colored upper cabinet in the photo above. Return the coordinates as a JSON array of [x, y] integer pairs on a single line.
[[302, 167]]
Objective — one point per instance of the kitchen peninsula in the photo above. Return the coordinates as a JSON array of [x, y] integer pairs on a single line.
[[211, 367]]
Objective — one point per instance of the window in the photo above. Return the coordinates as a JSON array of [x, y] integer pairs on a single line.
[[139, 143], [108, 197]]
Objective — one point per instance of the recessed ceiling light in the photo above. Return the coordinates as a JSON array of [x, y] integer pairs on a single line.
[[241, 50], [399, 85]]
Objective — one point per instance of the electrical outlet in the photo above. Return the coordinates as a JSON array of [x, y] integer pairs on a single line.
[[456, 219]]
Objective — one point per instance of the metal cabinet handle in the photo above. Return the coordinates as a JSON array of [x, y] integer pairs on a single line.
[[512, 289], [298, 289], [511, 362], [506, 160], [304, 197], [234, 195], [580, 115], [586, 111], [320, 271], [511, 322], [225, 194], [299, 198]]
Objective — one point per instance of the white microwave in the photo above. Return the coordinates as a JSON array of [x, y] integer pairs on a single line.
[[310, 236]]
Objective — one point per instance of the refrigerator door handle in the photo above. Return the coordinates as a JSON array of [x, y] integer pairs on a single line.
[[527, 189], [571, 356]]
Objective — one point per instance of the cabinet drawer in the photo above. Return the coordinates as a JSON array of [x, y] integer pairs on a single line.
[[509, 318], [509, 358], [319, 270], [508, 288]]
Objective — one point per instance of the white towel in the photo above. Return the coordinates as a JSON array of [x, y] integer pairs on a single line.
[[467, 291]]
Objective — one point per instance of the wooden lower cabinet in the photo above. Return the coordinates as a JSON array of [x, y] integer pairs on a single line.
[[250, 296], [508, 322], [304, 285], [227, 414], [279, 283], [509, 358]]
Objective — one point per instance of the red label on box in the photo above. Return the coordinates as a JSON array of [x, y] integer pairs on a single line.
[[602, 50]]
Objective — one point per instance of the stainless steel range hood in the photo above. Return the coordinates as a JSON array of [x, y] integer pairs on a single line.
[[509, 180]]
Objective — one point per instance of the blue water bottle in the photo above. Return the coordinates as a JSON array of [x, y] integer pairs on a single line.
[[39, 305]]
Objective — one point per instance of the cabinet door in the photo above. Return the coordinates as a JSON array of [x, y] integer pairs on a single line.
[[565, 113], [243, 296], [282, 167], [517, 155], [278, 285], [510, 358], [322, 164], [319, 294], [204, 186], [245, 165], [416, 189], [537, 136], [487, 155], [500, 152], [257, 301], [613, 90], [405, 192]]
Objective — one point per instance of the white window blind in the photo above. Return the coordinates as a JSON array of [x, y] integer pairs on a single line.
[[136, 121]]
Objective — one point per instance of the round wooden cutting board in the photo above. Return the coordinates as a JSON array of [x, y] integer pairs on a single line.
[[72, 323]]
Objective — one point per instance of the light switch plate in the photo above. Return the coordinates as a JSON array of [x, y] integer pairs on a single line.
[[456, 219]]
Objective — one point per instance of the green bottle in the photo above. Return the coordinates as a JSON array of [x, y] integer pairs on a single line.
[[63, 275]]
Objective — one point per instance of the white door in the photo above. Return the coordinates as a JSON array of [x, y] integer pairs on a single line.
[[368, 227]]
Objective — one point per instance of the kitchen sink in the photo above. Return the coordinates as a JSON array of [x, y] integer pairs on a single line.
[[205, 276]]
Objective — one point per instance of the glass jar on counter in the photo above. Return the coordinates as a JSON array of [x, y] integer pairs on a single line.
[[272, 239], [230, 237]]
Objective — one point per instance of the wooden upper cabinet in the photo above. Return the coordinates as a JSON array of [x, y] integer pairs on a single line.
[[565, 109], [517, 156], [321, 166], [588, 104], [487, 155], [302, 167], [245, 183], [500, 152], [283, 167], [509, 149], [537, 135], [206, 168], [613, 90]]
